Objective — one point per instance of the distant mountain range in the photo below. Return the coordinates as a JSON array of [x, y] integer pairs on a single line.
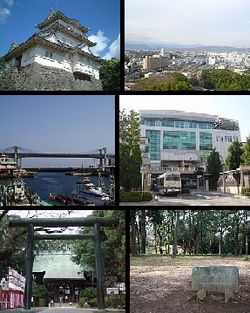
[[181, 47]]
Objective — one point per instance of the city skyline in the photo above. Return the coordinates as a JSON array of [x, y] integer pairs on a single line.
[[190, 22], [18, 23], [224, 106]]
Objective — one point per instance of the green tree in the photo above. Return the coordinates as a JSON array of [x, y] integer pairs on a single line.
[[195, 231], [222, 79], [214, 167], [110, 75], [127, 59], [171, 85], [246, 152], [130, 153], [179, 77], [233, 159], [113, 248]]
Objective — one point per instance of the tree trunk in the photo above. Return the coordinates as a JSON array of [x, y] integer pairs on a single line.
[[236, 234], [246, 245], [133, 232], [175, 234], [246, 232], [143, 231], [220, 242], [190, 233], [155, 232], [221, 231]]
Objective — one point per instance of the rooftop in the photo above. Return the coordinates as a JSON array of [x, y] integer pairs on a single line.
[[57, 265], [53, 16], [178, 115]]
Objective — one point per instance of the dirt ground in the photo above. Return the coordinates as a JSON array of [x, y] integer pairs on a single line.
[[160, 284]]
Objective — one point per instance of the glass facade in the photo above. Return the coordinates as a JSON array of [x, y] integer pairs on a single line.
[[177, 123], [154, 144], [179, 140], [206, 142]]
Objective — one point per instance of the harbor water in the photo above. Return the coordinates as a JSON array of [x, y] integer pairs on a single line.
[[45, 183]]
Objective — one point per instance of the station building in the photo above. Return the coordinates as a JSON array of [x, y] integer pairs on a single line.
[[181, 141]]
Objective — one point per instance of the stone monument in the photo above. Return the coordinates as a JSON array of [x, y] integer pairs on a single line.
[[215, 279]]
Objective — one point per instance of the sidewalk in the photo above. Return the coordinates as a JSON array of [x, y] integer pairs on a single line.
[[33, 310]]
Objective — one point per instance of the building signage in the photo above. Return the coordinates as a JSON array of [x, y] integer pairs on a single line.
[[112, 291], [16, 279], [143, 168]]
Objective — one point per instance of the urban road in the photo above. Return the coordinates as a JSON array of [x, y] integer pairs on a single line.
[[195, 198]]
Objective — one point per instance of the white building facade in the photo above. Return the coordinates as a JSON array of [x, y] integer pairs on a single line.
[[60, 43], [179, 139]]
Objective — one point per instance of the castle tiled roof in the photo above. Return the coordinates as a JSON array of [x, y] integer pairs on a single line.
[[59, 15], [58, 45]]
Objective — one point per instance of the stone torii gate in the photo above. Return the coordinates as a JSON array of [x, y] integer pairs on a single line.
[[95, 222]]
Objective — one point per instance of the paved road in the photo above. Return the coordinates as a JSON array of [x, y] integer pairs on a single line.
[[50, 310], [210, 198], [65, 310], [62, 310]]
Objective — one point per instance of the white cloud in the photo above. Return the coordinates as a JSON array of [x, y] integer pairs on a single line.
[[114, 50], [101, 42], [9, 2], [187, 21], [4, 13]]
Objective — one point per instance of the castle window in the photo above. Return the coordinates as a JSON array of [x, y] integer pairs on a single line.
[[48, 54]]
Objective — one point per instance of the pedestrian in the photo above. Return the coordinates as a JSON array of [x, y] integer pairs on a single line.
[[61, 300]]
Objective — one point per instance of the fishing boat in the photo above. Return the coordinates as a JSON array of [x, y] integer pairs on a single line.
[[88, 192], [65, 200]]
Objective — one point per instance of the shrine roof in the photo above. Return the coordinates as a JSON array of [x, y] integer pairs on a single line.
[[59, 15], [57, 266]]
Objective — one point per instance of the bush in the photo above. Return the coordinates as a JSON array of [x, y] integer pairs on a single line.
[[115, 301], [93, 302], [88, 293], [245, 192], [136, 196], [82, 301], [40, 291]]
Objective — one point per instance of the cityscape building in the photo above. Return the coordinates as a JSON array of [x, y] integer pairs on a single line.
[[181, 141]]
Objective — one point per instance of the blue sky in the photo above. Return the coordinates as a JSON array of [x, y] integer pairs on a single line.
[[19, 17], [207, 22], [58, 123], [233, 106]]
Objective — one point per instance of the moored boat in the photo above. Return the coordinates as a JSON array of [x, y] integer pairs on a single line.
[[87, 191]]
